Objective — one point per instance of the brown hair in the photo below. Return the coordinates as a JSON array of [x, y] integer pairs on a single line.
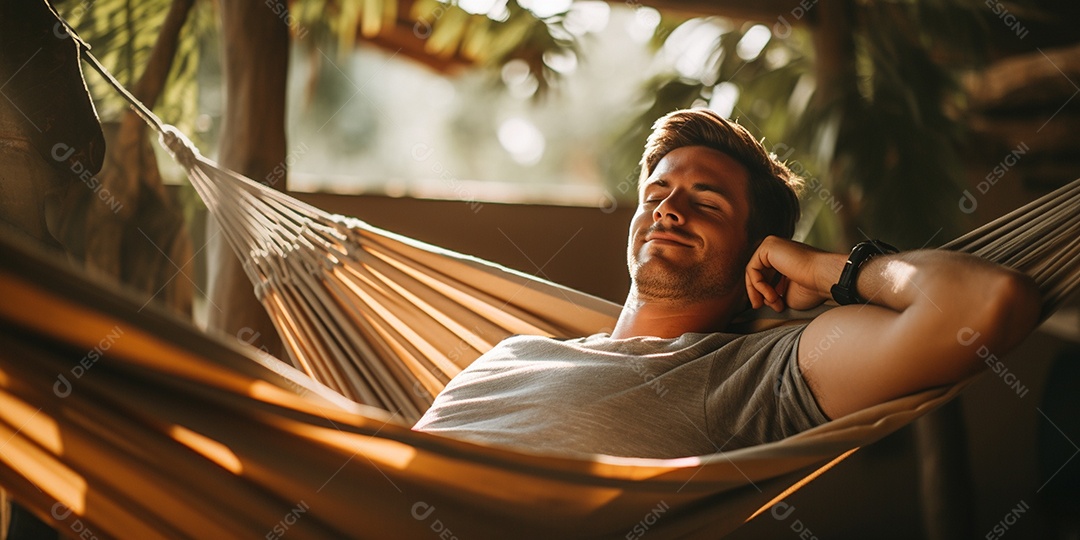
[[774, 203]]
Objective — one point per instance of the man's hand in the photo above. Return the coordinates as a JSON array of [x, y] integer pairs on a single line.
[[803, 275]]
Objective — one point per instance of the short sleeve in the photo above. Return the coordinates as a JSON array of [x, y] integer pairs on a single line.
[[757, 394]]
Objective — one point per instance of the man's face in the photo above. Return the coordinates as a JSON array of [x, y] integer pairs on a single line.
[[688, 237]]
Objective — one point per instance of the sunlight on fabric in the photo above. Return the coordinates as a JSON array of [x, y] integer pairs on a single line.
[[513, 488], [412, 336], [643, 468], [42, 468], [30, 423], [288, 330], [806, 480], [209, 448], [269, 393], [470, 299], [381, 451], [471, 338]]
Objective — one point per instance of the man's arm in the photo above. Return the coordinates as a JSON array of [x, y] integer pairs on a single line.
[[930, 311]]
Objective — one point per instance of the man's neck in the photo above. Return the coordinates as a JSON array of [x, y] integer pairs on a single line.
[[670, 318]]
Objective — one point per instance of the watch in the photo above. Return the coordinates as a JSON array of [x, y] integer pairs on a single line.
[[844, 291]]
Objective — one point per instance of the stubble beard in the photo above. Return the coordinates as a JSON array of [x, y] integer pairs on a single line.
[[658, 278]]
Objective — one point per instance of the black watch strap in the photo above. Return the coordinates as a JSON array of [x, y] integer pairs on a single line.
[[844, 291]]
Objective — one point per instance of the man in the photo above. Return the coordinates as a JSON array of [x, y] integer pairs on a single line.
[[710, 237]]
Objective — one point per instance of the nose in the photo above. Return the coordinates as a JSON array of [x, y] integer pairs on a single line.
[[669, 210]]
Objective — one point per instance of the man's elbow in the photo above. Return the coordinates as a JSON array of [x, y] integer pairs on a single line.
[[1013, 309]]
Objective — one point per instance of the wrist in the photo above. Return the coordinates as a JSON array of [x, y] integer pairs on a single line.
[[845, 291], [830, 267]]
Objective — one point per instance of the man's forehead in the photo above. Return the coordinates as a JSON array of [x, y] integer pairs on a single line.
[[702, 164]]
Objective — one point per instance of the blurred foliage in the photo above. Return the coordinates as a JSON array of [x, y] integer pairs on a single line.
[[121, 34], [766, 84], [880, 159], [451, 35]]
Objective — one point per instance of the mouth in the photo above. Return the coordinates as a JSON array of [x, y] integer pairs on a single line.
[[667, 238]]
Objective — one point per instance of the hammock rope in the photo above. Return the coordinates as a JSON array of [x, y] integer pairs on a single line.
[[368, 313], [1041, 239], [233, 440]]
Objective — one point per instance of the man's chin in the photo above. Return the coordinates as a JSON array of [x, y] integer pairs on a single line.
[[662, 281], [659, 271], [661, 278]]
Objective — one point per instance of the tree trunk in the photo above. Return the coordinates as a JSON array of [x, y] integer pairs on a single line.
[[255, 58], [832, 24]]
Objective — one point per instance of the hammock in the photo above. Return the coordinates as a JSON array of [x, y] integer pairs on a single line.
[[173, 433], [387, 321]]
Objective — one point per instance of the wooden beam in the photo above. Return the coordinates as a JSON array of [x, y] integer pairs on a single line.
[[1042, 131], [1047, 77]]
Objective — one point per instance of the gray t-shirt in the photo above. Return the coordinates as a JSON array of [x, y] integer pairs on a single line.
[[639, 397]]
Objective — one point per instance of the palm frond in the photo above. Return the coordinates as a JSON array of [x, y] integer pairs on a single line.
[[434, 31], [122, 33], [765, 85]]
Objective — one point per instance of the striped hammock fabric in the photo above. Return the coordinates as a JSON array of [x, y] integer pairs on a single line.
[[128, 422], [166, 432]]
